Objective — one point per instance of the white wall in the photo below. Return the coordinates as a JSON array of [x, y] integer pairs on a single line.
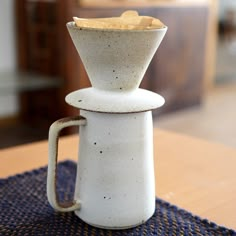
[[224, 5], [8, 103]]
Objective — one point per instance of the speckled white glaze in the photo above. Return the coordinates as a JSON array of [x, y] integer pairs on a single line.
[[115, 61], [115, 186], [115, 102], [115, 177]]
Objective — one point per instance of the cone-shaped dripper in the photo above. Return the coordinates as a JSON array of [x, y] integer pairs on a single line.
[[115, 59]]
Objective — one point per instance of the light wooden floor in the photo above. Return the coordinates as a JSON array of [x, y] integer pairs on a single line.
[[215, 120]]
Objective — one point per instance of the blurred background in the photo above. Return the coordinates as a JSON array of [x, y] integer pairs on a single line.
[[194, 68]]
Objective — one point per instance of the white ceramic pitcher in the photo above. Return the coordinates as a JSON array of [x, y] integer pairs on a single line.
[[115, 184]]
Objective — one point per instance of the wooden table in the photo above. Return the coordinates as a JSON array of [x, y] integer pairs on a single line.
[[193, 174]]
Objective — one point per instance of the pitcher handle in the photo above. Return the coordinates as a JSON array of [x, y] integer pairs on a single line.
[[53, 138]]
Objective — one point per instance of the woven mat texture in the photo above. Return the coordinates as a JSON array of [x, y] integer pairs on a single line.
[[24, 210]]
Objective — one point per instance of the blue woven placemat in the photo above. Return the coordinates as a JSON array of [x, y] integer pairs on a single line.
[[24, 210]]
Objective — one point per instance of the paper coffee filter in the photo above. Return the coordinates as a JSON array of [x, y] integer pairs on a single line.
[[128, 20]]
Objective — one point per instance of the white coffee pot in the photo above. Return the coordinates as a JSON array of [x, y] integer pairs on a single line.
[[115, 183]]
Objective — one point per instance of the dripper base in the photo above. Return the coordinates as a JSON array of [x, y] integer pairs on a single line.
[[92, 99]]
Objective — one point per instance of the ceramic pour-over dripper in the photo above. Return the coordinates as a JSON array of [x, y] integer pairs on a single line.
[[115, 184], [115, 61]]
